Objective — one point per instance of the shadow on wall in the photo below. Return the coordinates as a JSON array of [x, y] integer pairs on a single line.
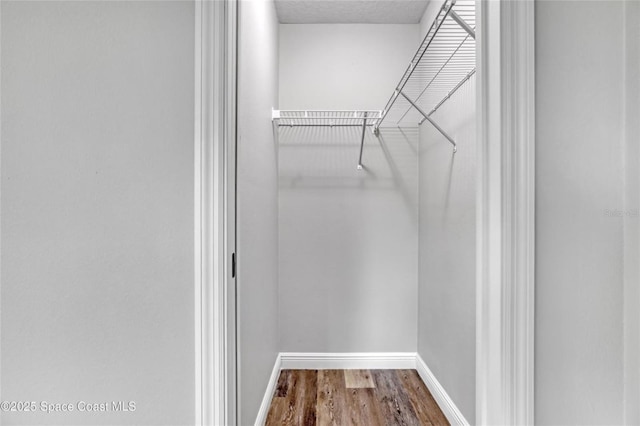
[[440, 160], [348, 240], [326, 158]]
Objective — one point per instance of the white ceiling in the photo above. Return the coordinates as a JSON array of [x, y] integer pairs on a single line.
[[350, 11]]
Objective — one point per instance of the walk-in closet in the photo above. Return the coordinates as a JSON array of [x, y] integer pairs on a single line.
[[356, 205], [319, 212]]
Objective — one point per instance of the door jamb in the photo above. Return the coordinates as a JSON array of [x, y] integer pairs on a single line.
[[505, 213], [214, 221]]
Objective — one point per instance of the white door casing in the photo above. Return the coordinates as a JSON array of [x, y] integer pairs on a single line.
[[505, 267], [506, 196], [215, 143]]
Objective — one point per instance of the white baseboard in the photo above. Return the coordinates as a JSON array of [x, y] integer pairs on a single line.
[[347, 361], [446, 404], [271, 388]]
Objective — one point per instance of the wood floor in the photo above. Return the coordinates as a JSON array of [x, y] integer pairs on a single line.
[[353, 397]]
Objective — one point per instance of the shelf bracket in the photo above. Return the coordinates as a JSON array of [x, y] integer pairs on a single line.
[[462, 23], [364, 128], [455, 148]]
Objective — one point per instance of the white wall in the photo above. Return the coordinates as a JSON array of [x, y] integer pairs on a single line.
[[447, 257], [342, 66], [632, 220], [446, 293], [257, 215], [347, 238], [97, 209], [579, 242]]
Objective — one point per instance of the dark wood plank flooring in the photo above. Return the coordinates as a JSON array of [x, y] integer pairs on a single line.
[[353, 398]]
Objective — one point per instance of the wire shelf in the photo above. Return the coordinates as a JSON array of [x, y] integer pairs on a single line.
[[445, 60], [312, 118]]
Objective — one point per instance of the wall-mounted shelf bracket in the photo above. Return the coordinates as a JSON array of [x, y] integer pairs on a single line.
[[430, 120]]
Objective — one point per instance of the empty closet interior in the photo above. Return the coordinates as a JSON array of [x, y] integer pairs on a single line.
[[356, 187]]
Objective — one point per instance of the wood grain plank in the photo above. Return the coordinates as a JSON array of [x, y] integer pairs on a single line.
[[394, 401], [278, 410], [425, 406], [310, 397], [364, 409], [358, 379], [298, 408], [304, 397], [331, 405], [283, 383]]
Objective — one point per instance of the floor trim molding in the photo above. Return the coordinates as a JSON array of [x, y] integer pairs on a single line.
[[441, 396], [271, 387], [347, 360]]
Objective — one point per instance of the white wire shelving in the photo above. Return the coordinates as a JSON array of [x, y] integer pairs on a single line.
[[314, 118], [444, 61]]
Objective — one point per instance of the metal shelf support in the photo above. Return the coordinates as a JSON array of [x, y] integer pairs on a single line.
[[364, 128], [426, 116], [445, 9], [444, 60], [462, 23]]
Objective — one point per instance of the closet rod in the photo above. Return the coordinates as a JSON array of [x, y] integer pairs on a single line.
[[326, 125], [454, 90], [450, 61], [327, 118], [417, 57], [436, 76]]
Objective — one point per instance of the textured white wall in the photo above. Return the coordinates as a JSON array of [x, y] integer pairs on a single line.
[[97, 209], [257, 202], [348, 238], [447, 256], [579, 241]]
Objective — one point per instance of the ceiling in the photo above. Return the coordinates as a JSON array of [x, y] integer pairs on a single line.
[[350, 11]]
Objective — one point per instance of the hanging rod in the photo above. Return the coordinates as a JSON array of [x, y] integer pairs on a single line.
[[454, 90], [436, 75], [443, 62], [323, 118], [422, 49]]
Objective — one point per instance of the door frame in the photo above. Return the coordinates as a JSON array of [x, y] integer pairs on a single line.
[[505, 213], [215, 206]]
